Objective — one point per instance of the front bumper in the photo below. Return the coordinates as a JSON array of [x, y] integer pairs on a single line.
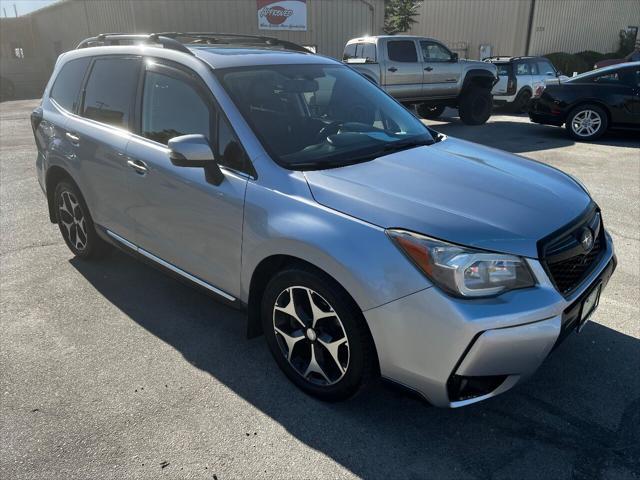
[[455, 352], [541, 111]]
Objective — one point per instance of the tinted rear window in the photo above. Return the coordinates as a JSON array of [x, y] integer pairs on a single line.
[[504, 69], [67, 84], [111, 89], [365, 51], [402, 51]]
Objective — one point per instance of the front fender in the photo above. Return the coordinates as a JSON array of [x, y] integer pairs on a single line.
[[356, 254]]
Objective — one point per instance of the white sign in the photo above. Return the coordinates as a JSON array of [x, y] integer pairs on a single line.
[[282, 14]]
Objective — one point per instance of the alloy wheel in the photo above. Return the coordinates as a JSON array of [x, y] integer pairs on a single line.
[[311, 336], [586, 123], [73, 219]]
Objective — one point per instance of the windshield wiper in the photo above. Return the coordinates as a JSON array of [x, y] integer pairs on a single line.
[[406, 144]]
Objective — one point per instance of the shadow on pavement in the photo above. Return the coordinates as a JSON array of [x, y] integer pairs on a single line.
[[521, 135], [576, 418]]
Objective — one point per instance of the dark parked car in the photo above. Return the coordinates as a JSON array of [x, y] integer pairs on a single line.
[[593, 102]]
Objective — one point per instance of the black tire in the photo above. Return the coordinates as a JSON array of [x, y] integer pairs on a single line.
[[359, 352], [587, 122], [475, 105], [432, 112], [75, 223], [521, 103]]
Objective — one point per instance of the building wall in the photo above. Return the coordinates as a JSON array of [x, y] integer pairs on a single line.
[[464, 25], [577, 25]]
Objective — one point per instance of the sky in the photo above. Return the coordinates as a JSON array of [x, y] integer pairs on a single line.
[[23, 6]]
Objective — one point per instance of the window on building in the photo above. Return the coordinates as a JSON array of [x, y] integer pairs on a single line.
[[402, 51], [110, 91], [66, 88], [172, 107]]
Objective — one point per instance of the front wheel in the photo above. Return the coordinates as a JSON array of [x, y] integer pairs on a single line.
[[432, 112], [475, 105], [587, 122], [317, 334]]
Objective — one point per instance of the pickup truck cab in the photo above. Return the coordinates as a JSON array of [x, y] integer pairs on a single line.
[[423, 72]]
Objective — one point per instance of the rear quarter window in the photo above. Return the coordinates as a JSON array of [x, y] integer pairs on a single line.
[[504, 69], [66, 87]]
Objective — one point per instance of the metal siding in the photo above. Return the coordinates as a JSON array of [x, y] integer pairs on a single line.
[[594, 25], [499, 23]]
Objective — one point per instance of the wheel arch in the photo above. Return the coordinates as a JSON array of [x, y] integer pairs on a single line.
[[54, 175], [479, 78]]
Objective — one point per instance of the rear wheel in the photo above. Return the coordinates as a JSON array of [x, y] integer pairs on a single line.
[[432, 112], [75, 223], [587, 122], [316, 334], [475, 105], [521, 103]]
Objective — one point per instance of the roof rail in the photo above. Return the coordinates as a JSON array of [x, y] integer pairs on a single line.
[[212, 38], [105, 39]]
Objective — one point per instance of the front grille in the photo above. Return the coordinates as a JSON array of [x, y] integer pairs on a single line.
[[565, 258]]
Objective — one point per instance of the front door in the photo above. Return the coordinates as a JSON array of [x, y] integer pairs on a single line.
[[403, 76], [441, 73], [182, 219]]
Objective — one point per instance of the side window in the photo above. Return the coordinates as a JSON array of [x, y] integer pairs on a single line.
[[66, 88], [434, 52], [110, 91], [349, 52], [365, 51], [611, 78], [534, 68], [522, 68], [545, 68], [172, 107], [402, 51]]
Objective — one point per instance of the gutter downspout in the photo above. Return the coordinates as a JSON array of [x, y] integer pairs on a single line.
[[530, 26]]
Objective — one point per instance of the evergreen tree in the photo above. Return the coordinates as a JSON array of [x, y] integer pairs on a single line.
[[398, 15]]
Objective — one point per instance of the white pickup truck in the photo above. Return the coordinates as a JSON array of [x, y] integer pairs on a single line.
[[424, 72]]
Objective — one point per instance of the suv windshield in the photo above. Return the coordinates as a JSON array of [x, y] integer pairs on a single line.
[[321, 116]]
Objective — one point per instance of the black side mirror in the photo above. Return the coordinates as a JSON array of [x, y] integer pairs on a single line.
[[454, 57], [195, 151]]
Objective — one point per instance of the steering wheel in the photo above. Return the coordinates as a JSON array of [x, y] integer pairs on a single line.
[[327, 130]]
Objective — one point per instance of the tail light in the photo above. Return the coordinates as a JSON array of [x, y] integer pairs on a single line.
[[539, 90], [511, 86]]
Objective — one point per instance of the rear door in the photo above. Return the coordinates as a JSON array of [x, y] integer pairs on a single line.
[[524, 75], [99, 136], [505, 71], [403, 69], [440, 73], [182, 219]]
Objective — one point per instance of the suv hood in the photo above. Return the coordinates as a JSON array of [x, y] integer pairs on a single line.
[[456, 191]]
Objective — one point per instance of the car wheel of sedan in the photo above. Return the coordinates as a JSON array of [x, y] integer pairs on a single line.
[[75, 223], [432, 112], [317, 334], [475, 105], [587, 122]]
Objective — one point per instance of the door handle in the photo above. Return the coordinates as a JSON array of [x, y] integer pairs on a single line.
[[138, 166], [428, 69], [392, 69], [73, 138]]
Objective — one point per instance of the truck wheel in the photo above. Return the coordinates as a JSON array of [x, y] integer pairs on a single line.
[[426, 110], [475, 105]]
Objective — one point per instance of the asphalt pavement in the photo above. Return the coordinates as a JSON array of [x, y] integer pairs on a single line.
[[114, 370]]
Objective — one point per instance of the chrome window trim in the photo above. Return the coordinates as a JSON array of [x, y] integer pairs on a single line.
[[170, 266]]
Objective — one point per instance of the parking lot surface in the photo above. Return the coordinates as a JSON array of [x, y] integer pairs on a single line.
[[114, 370]]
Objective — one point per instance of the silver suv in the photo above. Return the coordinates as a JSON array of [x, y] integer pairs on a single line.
[[521, 79], [360, 242]]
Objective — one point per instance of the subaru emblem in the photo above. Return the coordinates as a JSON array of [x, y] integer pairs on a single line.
[[586, 239]]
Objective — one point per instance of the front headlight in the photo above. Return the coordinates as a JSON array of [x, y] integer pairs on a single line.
[[463, 271]]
